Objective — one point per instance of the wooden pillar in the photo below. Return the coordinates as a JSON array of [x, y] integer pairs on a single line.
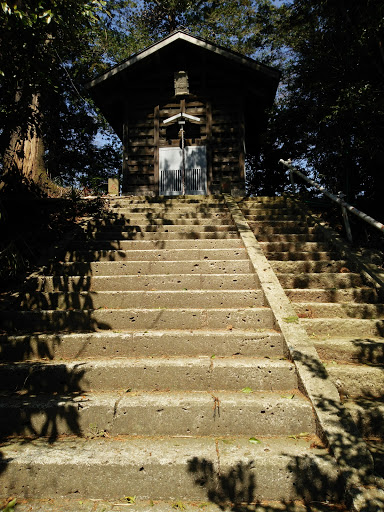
[[156, 144], [209, 146], [241, 144], [125, 180]]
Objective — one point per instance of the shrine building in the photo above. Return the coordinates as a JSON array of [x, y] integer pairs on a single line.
[[187, 112]]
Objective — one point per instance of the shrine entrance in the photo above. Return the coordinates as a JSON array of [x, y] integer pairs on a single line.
[[183, 174], [182, 170]]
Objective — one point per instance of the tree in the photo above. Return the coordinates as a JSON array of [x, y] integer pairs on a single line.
[[242, 25], [59, 45], [39, 41], [332, 108]]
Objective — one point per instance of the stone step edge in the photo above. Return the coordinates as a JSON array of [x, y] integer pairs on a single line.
[[224, 291], [151, 228], [350, 349], [162, 236], [136, 319], [308, 263], [175, 467], [170, 413], [151, 373], [37, 277], [160, 250], [157, 262], [72, 346], [233, 243], [345, 442], [336, 327], [139, 310], [154, 362], [58, 504], [369, 415], [148, 332], [342, 306], [373, 274]]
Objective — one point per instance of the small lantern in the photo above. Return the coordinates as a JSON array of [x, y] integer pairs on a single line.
[[181, 83]]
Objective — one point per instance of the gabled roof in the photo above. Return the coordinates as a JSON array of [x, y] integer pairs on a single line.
[[180, 35], [148, 76]]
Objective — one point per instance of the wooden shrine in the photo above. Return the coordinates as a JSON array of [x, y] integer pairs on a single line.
[[187, 111]]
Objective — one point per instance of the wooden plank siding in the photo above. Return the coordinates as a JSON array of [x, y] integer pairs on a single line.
[[221, 130]]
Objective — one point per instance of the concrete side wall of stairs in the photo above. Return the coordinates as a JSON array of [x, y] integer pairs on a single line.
[[338, 307]]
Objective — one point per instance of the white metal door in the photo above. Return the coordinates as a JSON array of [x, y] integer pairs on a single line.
[[170, 171]]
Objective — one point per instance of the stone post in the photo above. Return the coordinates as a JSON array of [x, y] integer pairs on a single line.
[[113, 187]]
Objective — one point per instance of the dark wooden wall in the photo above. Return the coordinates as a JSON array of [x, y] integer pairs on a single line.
[[221, 130]]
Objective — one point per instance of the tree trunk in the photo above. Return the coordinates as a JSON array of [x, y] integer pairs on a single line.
[[23, 163]]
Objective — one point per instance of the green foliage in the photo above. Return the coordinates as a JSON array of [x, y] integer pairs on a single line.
[[178, 505], [12, 259], [10, 506], [331, 108], [291, 319], [328, 113], [243, 25], [54, 44], [29, 229]]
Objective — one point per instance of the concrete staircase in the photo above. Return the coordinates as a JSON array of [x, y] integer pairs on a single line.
[[144, 361], [342, 313]]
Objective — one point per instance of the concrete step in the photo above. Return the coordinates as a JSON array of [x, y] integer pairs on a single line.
[[340, 327], [161, 228], [140, 282], [320, 280], [265, 202], [368, 416], [126, 216], [141, 299], [144, 505], [279, 247], [334, 295], [355, 350], [148, 223], [278, 222], [145, 268], [136, 319], [184, 234], [302, 256], [155, 255], [341, 319], [376, 447], [163, 468], [357, 380], [136, 245], [272, 214], [295, 238], [260, 343], [160, 208], [330, 266], [281, 228], [151, 374], [178, 202], [338, 310], [222, 413], [162, 405]]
